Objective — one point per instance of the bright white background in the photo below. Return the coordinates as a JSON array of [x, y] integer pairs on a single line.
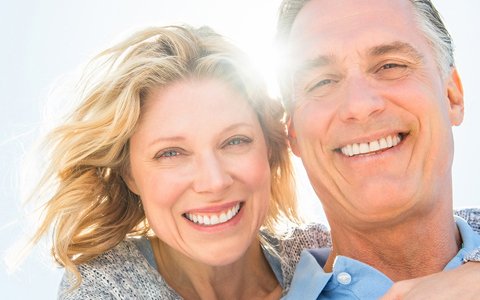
[[42, 40]]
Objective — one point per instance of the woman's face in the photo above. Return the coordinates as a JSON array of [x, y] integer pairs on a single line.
[[199, 163]]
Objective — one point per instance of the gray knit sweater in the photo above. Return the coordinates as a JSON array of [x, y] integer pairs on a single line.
[[128, 271]]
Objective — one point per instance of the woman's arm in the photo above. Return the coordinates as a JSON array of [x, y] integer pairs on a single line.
[[459, 283]]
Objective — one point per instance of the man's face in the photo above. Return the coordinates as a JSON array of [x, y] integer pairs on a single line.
[[372, 116]]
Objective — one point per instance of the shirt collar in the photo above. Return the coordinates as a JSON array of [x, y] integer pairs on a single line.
[[470, 242], [310, 279]]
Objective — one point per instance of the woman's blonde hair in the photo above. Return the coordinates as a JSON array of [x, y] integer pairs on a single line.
[[88, 205]]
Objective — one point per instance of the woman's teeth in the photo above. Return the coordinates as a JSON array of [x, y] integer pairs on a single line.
[[373, 146], [214, 219]]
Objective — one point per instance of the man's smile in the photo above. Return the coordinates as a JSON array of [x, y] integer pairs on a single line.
[[373, 146]]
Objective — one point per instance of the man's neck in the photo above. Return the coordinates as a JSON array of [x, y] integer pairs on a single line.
[[418, 246]]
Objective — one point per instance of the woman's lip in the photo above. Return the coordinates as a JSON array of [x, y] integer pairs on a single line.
[[213, 209], [219, 225]]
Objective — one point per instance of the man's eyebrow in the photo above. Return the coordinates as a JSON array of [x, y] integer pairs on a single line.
[[396, 47], [310, 64]]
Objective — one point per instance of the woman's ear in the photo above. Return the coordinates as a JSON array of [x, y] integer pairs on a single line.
[[130, 181], [292, 137], [455, 97]]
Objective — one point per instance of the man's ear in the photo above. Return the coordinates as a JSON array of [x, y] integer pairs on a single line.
[[292, 137], [455, 97]]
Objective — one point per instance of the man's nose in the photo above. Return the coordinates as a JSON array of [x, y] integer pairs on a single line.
[[211, 174], [361, 100]]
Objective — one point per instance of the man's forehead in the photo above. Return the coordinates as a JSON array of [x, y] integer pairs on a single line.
[[335, 17], [322, 30], [396, 48]]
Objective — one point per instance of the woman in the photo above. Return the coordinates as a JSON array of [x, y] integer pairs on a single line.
[[171, 177], [174, 140]]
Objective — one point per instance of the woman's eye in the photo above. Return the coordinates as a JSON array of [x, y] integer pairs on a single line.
[[167, 154], [238, 141]]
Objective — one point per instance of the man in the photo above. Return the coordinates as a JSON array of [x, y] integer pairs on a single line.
[[372, 93]]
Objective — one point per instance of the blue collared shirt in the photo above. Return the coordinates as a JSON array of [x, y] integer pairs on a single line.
[[352, 279]]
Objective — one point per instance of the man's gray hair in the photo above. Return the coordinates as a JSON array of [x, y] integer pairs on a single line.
[[428, 18]]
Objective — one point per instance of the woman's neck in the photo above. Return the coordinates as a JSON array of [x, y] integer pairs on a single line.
[[250, 277]]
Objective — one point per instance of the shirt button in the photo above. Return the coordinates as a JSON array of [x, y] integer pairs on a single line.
[[344, 278]]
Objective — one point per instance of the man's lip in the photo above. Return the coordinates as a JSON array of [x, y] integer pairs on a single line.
[[369, 146], [365, 138]]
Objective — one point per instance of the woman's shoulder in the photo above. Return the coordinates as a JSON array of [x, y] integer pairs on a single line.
[[289, 245], [471, 215], [307, 236], [122, 272]]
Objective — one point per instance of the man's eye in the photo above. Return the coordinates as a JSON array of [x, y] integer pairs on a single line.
[[320, 84], [392, 71], [392, 65]]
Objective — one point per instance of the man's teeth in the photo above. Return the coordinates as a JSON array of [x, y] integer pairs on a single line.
[[213, 219], [373, 146]]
